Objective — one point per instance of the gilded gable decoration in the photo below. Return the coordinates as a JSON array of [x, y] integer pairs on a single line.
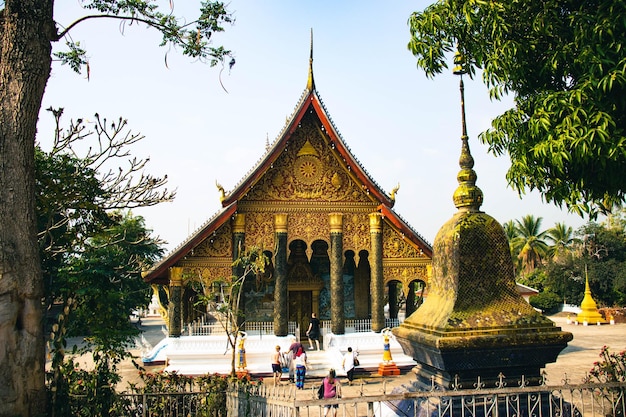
[[307, 170], [396, 246], [218, 244]]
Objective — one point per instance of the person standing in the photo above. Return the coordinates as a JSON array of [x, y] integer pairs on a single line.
[[348, 364], [291, 353], [301, 365], [277, 369], [313, 332], [332, 389]]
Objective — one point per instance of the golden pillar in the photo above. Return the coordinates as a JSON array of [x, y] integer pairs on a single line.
[[376, 278], [337, 314], [281, 294]]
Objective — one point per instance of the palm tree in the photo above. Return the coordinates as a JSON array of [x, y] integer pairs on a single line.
[[529, 243], [562, 238], [511, 233]]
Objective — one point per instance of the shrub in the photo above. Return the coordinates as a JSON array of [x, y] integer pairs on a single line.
[[546, 301]]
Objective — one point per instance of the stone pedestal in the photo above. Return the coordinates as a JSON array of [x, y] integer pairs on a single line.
[[387, 369]]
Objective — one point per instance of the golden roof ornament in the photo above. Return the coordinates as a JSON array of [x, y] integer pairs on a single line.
[[221, 191], [467, 196], [392, 196], [307, 149], [310, 83]]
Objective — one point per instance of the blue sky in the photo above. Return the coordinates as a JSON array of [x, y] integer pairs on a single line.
[[402, 126]]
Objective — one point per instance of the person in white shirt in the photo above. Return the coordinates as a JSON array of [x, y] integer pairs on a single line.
[[348, 364]]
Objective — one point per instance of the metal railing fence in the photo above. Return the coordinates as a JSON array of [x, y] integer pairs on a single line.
[[582, 400]]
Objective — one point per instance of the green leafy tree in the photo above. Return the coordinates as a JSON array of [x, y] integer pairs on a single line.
[[511, 233], [76, 191], [564, 62], [106, 280], [529, 243], [28, 32], [562, 238], [546, 301], [603, 253], [93, 253]]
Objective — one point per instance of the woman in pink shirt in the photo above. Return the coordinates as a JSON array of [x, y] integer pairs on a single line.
[[332, 389]]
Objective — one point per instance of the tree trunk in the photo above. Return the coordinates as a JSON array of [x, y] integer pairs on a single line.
[[26, 32]]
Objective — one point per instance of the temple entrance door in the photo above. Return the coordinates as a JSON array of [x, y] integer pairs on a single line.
[[300, 309]]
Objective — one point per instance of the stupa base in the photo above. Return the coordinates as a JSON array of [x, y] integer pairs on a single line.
[[387, 369]]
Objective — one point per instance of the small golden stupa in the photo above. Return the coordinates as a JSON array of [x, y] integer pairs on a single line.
[[474, 325], [589, 313]]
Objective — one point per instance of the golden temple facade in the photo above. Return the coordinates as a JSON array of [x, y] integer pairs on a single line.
[[335, 245]]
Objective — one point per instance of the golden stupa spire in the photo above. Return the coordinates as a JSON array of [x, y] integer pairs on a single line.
[[589, 313], [310, 83], [467, 196]]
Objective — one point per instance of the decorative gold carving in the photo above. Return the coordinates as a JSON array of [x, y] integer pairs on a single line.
[[218, 244], [176, 276], [308, 170], [405, 275], [308, 227], [376, 223], [336, 222], [260, 229], [307, 149], [356, 235], [239, 223], [397, 246], [336, 181], [280, 223]]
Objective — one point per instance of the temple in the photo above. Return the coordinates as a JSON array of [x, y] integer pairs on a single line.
[[336, 247]]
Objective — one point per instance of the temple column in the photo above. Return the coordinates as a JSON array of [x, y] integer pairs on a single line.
[[337, 313], [239, 244], [376, 278], [174, 307], [281, 294], [239, 240]]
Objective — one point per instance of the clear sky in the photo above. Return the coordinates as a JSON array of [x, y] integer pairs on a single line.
[[403, 127]]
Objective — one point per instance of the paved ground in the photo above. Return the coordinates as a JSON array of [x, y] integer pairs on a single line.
[[573, 363]]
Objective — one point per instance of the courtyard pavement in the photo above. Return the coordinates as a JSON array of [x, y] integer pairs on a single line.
[[572, 364]]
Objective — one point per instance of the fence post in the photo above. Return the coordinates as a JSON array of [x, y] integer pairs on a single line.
[[145, 405]]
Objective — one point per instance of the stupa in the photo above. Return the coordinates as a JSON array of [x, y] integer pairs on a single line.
[[589, 313], [474, 326]]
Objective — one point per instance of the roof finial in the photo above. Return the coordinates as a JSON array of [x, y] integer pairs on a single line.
[[310, 84], [468, 196]]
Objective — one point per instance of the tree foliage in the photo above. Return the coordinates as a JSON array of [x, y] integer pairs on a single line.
[[596, 251], [194, 37], [78, 194], [529, 243], [92, 252], [565, 63], [28, 31]]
